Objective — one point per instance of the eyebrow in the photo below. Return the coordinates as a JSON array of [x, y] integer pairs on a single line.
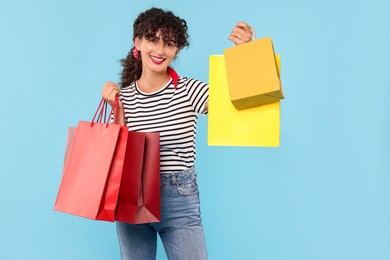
[[164, 38]]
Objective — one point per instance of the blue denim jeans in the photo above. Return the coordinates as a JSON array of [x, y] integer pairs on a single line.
[[180, 229]]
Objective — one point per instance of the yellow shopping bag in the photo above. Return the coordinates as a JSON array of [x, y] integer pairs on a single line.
[[227, 126], [252, 74]]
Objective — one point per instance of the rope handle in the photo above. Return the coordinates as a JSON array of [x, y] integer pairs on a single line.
[[102, 111]]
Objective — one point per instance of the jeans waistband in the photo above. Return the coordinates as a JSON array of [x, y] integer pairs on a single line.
[[178, 176]]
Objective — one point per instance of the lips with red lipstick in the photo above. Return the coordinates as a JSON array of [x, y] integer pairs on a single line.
[[157, 60]]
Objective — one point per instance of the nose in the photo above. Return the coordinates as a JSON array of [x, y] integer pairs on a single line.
[[160, 47]]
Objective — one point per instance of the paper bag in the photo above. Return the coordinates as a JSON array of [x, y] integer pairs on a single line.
[[227, 126], [139, 197], [252, 74], [92, 173]]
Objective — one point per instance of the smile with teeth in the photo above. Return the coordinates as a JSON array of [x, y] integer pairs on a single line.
[[157, 60]]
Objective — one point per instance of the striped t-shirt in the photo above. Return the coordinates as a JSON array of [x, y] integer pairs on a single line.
[[171, 112]]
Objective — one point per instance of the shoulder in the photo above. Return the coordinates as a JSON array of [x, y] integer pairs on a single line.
[[127, 92], [191, 82], [129, 87]]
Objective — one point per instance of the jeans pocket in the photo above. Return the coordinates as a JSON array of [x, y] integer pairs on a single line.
[[188, 185]]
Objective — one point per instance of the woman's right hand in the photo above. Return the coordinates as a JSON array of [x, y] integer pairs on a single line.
[[110, 90]]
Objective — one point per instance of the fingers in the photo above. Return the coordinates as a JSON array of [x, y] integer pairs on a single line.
[[242, 33], [244, 25], [109, 91]]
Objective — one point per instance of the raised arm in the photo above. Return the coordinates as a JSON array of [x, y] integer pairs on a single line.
[[241, 33]]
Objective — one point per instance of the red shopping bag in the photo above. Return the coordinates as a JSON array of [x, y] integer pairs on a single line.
[[69, 141], [139, 196], [93, 168]]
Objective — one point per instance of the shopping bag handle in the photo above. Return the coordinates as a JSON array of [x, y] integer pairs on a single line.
[[102, 111], [98, 110], [116, 111]]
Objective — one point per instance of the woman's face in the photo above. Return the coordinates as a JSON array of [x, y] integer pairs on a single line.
[[156, 52]]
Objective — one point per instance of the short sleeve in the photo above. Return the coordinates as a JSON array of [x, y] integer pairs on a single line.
[[198, 93]]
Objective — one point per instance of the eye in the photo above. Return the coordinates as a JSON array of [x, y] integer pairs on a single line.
[[170, 44], [152, 39]]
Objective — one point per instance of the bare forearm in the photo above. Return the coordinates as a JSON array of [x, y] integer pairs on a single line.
[[121, 116]]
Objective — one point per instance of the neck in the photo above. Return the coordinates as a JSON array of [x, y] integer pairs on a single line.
[[153, 81]]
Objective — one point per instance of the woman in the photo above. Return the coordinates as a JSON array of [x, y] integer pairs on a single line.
[[151, 100]]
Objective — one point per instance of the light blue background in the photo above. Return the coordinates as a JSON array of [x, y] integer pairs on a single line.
[[323, 194]]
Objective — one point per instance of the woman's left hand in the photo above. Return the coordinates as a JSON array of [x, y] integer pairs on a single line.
[[242, 33]]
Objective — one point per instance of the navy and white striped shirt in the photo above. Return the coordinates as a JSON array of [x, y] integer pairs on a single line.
[[171, 112]]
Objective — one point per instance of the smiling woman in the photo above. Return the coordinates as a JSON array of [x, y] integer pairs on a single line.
[[153, 26], [157, 53], [153, 98]]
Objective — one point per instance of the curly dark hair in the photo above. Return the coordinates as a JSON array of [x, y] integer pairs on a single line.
[[147, 25]]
